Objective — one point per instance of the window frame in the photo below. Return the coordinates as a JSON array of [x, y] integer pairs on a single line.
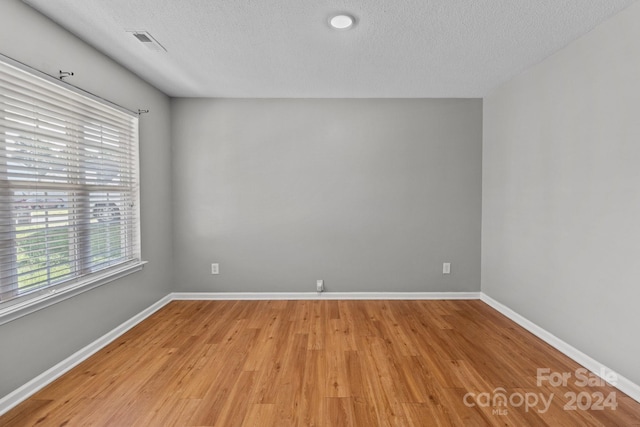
[[47, 295]]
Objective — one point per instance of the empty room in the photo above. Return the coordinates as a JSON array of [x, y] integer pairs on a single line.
[[319, 213]]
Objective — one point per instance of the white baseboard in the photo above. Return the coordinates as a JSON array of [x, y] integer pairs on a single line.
[[20, 394], [325, 295], [623, 384]]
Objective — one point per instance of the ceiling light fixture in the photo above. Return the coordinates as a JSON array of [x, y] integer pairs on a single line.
[[342, 21]]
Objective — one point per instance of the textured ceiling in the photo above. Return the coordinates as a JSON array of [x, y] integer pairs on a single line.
[[285, 49]]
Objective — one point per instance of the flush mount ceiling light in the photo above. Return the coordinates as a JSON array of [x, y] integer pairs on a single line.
[[341, 21]]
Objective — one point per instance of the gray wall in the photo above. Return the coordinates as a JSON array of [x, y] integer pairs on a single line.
[[369, 195], [34, 343], [561, 194]]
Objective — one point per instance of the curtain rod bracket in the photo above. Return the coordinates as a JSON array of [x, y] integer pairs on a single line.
[[141, 112], [65, 74]]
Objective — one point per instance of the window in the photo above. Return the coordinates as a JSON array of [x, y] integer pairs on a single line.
[[68, 188]]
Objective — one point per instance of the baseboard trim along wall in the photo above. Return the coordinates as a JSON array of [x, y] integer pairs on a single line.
[[20, 394], [325, 295], [623, 384], [50, 375]]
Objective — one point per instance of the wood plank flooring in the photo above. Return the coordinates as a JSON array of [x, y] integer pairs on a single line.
[[323, 363]]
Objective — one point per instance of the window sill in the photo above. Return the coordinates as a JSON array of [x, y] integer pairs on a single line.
[[16, 311]]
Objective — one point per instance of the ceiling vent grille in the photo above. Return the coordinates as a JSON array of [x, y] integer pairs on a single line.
[[147, 40]]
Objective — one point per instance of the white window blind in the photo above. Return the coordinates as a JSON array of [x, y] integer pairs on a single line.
[[68, 187]]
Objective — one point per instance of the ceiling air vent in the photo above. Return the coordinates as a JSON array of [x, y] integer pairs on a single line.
[[148, 41]]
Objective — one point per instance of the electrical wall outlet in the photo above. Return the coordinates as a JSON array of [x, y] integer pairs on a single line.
[[446, 268], [320, 285], [215, 268]]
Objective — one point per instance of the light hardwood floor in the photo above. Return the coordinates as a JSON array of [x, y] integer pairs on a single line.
[[321, 363]]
